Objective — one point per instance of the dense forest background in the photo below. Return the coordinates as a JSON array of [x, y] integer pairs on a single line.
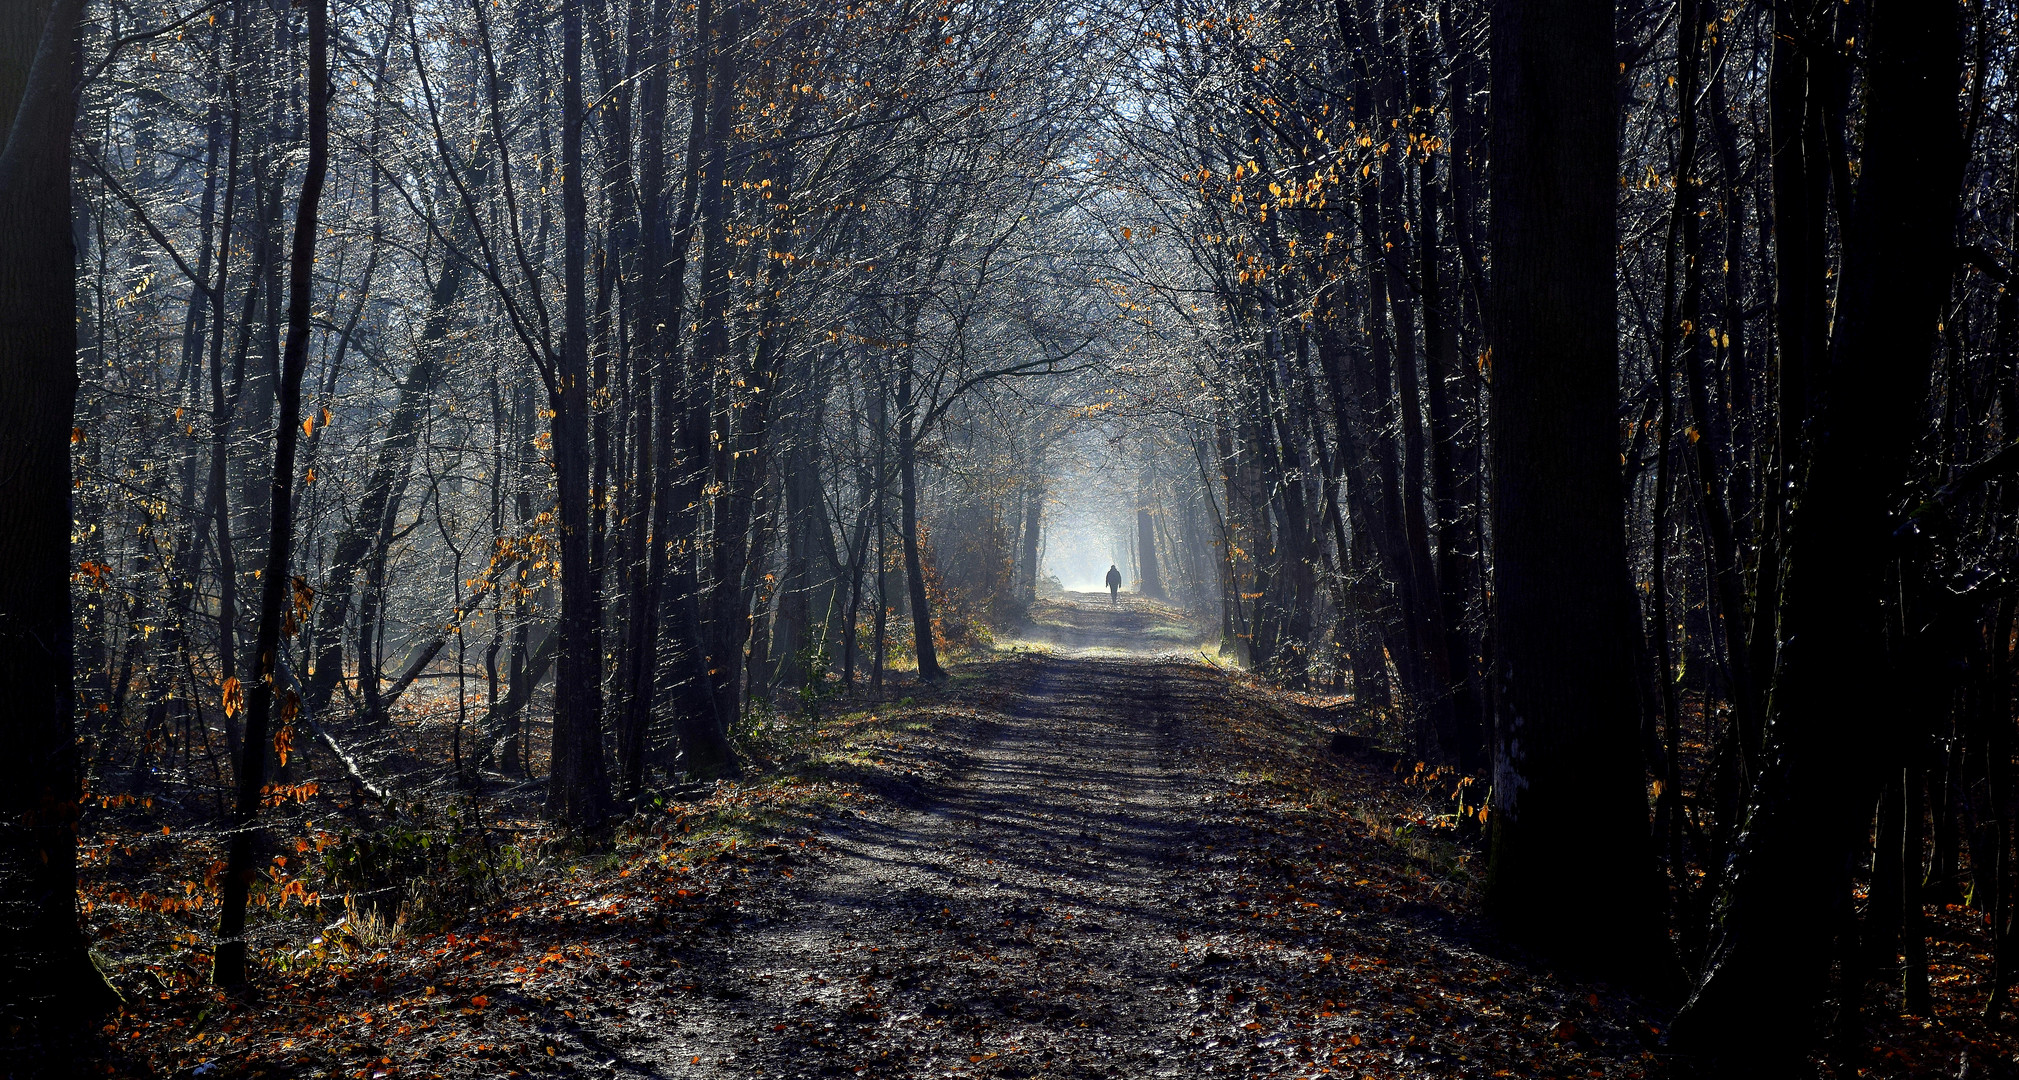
[[502, 403]]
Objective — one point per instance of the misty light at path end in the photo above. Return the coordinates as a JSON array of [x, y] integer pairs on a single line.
[[1090, 518]]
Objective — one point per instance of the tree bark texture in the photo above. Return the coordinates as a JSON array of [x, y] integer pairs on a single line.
[[48, 985], [1571, 870]]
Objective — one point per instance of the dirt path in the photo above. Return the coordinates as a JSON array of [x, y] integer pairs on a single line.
[[1033, 912], [1093, 888]]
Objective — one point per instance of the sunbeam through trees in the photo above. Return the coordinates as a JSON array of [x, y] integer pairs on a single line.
[[1446, 537]]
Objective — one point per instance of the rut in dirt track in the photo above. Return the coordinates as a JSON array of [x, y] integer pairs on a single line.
[[1028, 915]]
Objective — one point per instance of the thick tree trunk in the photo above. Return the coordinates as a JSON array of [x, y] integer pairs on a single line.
[[49, 990], [1571, 871], [1828, 722]]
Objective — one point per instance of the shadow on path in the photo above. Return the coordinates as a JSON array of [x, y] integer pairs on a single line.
[[1104, 891], [1026, 921]]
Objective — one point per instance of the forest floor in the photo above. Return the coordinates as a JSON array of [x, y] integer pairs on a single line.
[[1098, 856]]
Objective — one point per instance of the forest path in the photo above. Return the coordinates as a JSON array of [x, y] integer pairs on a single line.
[[1029, 916], [1128, 624], [1132, 864]]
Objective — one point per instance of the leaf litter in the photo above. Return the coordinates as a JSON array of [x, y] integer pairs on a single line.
[[1051, 866]]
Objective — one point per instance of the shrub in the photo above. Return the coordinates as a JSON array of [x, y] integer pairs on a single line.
[[425, 860]]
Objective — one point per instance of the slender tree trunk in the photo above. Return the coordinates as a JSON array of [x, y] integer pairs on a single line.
[[577, 791], [907, 495], [1883, 905], [656, 346], [1027, 560], [1800, 201], [1149, 582], [179, 601], [1433, 653], [361, 544], [799, 490], [1914, 996], [1455, 550], [879, 422], [726, 621], [280, 598], [1691, 339], [703, 746]]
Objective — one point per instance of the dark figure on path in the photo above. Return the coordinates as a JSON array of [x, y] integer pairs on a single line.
[[1114, 585]]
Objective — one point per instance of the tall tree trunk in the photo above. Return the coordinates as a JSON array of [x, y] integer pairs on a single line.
[[1800, 202], [280, 600], [1456, 549], [1433, 659], [1881, 930], [799, 488], [205, 305], [621, 280], [907, 496], [1027, 558], [703, 745], [1790, 875], [1571, 871], [1149, 582], [879, 422], [727, 615], [655, 342], [578, 792], [1914, 992], [49, 990], [211, 519], [1367, 414], [1693, 340]]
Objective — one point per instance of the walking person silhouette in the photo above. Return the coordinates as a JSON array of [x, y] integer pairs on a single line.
[[1114, 585]]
